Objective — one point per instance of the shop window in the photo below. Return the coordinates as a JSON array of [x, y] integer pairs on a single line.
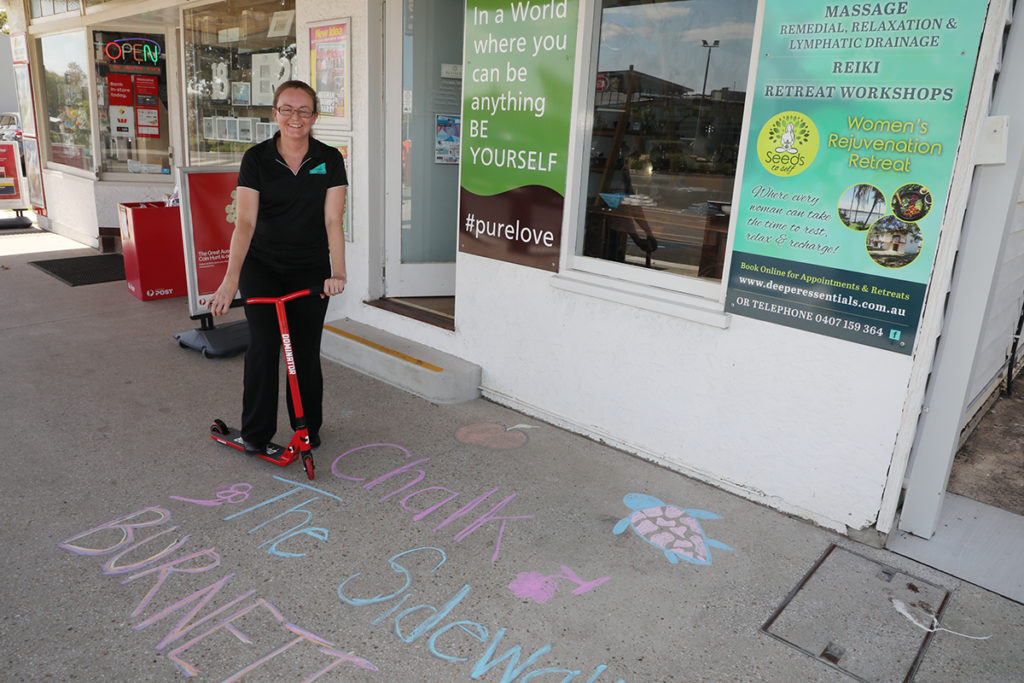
[[48, 8], [68, 125], [131, 78], [236, 54], [668, 100]]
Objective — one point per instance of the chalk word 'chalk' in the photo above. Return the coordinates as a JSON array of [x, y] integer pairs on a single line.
[[449, 495]]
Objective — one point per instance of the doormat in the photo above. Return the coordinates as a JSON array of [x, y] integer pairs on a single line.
[[849, 612], [84, 270]]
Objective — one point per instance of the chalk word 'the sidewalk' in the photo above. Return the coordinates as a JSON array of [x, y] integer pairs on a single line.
[[440, 641], [116, 541]]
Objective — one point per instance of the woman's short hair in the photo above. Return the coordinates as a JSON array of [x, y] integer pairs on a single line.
[[298, 85]]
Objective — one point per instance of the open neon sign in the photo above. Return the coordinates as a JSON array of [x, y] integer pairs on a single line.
[[138, 50]]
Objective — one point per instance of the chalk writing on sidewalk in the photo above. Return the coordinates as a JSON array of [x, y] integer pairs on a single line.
[[117, 539], [299, 511], [239, 493], [378, 450], [235, 493], [447, 641]]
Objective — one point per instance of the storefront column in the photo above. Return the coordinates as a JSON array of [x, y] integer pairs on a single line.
[[987, 223]]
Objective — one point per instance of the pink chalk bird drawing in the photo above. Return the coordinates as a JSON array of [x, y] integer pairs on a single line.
[[540, 588]]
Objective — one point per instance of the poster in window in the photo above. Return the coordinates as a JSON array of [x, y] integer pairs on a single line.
[[512, 173], [245, 129], [34, 171], [329, 64], [19, 48], [147, 106], [344, 145], [209, 128], [222, 127], [848, 171], [122, 122], [264, 131], [447, 138], [240, 93], [119, 90], [269, 70], [26, 107], [281, 24], [232, 128]]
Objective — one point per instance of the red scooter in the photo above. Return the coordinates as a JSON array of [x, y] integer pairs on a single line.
[[299, 444]]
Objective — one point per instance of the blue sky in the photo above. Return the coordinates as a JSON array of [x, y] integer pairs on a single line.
[[664, 40]]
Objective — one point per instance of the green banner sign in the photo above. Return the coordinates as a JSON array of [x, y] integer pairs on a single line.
[[517, 106], [855, 124]]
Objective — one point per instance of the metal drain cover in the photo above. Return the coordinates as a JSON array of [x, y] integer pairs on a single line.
[[843, 613]]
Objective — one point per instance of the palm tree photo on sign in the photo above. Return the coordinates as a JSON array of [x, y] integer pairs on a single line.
[[860, 206]]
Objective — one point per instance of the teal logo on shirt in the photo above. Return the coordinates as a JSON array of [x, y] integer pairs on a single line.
[[319, 170]]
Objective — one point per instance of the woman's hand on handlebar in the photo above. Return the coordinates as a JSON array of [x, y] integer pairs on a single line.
[[334, 285]]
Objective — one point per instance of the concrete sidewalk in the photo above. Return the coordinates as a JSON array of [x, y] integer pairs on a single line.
[[437, 543]]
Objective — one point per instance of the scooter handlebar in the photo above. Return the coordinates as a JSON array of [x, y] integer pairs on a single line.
[[316, 290]]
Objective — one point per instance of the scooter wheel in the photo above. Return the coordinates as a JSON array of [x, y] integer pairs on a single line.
[[219, 427], [307, 462]]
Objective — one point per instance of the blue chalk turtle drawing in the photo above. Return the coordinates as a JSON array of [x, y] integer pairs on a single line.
[[673, 530]]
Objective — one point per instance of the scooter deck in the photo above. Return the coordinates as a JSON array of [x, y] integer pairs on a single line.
[[274, 453]]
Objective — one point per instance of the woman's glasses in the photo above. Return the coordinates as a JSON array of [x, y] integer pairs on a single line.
[[287, 112]]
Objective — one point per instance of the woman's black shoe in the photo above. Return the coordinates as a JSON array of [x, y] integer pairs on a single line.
[[252, 449]]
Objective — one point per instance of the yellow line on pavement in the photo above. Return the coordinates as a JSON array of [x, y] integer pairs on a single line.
[[384, 349]]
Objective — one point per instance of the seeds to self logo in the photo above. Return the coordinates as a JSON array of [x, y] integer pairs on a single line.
[[787, 144]]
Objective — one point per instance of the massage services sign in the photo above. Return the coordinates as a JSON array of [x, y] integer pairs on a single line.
[[855, 123], [516, 110]]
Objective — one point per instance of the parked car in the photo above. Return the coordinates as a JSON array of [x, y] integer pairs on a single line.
[[10, 131], [10, 126]]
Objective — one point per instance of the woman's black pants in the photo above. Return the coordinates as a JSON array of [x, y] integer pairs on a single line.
[[262, 359]]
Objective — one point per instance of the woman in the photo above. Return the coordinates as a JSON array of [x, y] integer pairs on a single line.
[[288, 236]]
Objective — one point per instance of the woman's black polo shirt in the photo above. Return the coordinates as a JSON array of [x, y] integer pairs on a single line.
[[290, 229]]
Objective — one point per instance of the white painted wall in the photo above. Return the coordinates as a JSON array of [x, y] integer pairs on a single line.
[[70, 207], [800, 422], [83, 205], [1001, 323]]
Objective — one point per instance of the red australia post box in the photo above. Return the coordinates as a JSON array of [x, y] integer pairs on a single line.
[[154, 259]]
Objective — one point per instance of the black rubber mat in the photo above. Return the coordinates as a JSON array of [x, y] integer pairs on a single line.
[[84, 270]]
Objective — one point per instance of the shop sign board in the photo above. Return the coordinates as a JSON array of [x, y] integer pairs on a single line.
[[12, 193], [207, 220], [855, 124], [516, 114], [122, 122]]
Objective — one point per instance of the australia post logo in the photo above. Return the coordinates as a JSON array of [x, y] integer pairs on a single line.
[[787, 144]]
